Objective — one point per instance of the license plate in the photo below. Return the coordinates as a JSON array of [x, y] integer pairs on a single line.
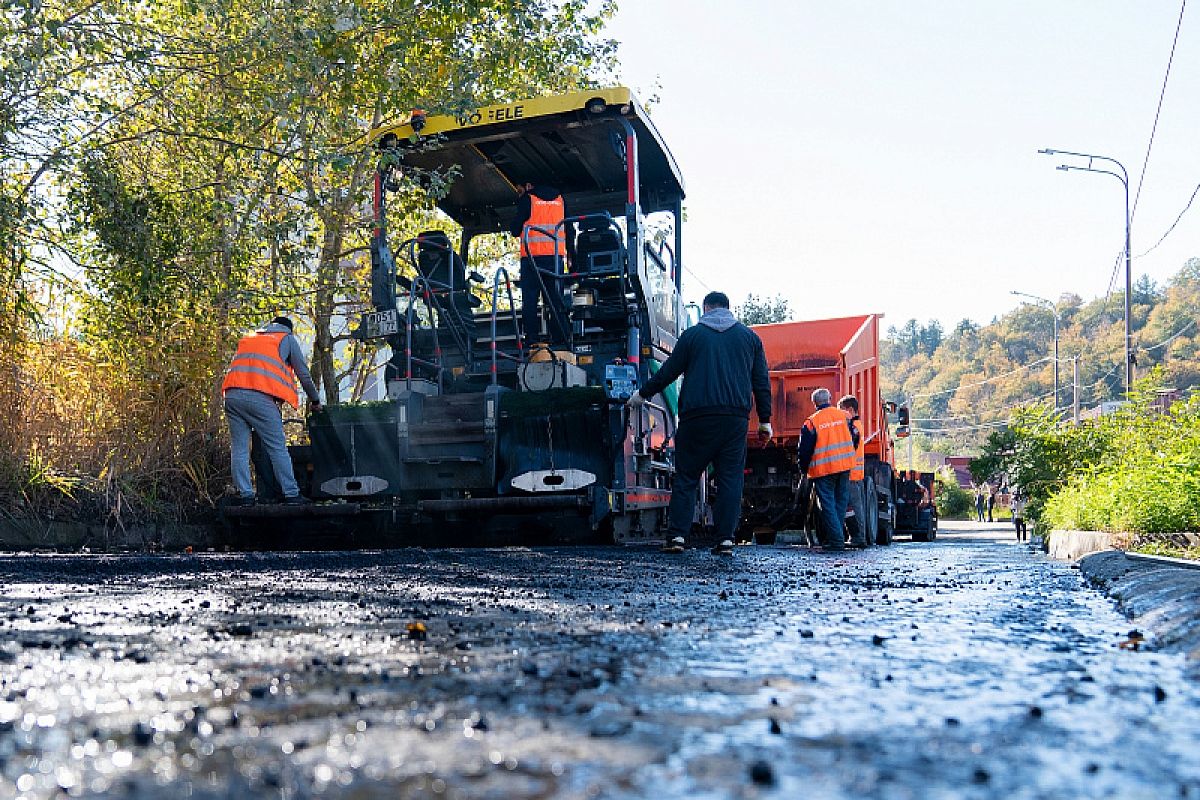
[[378, 324]]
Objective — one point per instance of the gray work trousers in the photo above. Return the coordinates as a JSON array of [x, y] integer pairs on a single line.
[[247, 410], [858, 504]]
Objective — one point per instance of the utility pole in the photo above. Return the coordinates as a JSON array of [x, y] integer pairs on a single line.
[[910, 436], [1075, 384]]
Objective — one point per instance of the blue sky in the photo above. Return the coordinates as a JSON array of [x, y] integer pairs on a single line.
[[882, 156]]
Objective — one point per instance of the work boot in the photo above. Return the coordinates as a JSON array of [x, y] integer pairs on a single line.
[[238, 501], [674, 546], [723, 547], [297, 500]]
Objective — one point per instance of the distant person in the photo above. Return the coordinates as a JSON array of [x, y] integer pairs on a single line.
[[980, 502], [1018, 516], [724, 370], [991, 503], [260, 379], [826, 454], [540, 210], [858, 502]]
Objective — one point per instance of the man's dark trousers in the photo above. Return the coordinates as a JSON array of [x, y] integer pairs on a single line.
[[720, 440], [833, 492], [547, 289]]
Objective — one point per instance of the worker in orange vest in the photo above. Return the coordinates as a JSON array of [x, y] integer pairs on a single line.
[[260, 379], [540, 210], [826, 454], [858, 474]]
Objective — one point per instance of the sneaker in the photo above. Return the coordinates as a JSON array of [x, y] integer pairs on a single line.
[[673, 545], [297, 500], [723, 547], [241, 500]]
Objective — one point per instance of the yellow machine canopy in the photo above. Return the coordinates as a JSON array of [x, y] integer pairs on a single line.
[[579, 143]]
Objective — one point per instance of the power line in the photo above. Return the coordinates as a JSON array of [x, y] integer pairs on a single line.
[[964, 428], [1009, 407], [1161, 95], [698, 278], [1172, 337], [982, 382], [1173, 224]]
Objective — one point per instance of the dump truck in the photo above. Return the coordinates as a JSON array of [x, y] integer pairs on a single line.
[[480, 436], [841, 355]]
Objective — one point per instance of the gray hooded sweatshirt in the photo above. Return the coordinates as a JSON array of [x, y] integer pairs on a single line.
[[723, 366]]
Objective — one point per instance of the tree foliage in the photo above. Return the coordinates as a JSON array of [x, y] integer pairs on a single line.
[[172, 173], [764, 310]]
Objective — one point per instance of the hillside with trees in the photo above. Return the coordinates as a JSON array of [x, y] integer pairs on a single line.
[[967, 381]]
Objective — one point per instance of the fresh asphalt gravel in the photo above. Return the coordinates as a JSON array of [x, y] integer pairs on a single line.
[[968, 667]]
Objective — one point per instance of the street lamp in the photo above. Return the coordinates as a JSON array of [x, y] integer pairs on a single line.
[[1123, 177], [1054, 311]]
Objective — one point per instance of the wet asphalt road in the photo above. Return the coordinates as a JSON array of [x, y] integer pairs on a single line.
[[967, 667]]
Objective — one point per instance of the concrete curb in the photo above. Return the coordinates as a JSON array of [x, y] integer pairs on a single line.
[[1162, 599], [1074, 545]]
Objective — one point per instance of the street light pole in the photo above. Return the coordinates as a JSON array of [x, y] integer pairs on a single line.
[[1123, 177], [1053, 311]]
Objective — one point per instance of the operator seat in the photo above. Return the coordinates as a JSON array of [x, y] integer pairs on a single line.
[[598, 262], [597, 247]]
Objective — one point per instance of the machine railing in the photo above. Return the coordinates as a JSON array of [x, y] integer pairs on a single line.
[[409, 359], [512, 308], [560, 276], [437, 287]]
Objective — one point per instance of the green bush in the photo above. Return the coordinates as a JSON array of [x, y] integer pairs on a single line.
[[1159, 498], [1136, 471], [953, 502]]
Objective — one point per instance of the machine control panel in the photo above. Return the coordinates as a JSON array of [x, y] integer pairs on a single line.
[[620, 381]]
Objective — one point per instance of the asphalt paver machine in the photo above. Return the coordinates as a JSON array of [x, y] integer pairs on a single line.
[[480, 434]]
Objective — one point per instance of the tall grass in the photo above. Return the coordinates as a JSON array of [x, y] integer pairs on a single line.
[[119, 433]]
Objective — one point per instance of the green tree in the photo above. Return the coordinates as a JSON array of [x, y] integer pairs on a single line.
[[764, 310]]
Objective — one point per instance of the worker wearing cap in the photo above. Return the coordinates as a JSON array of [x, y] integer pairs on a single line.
[[858, 501], [540, 212], [724, 369], [826, 454], [260, 379]]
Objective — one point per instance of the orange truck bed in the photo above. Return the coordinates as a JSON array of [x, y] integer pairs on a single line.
[[840, 354]]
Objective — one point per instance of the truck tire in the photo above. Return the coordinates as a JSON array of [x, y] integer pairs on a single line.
[[871, 509], [884, 536]]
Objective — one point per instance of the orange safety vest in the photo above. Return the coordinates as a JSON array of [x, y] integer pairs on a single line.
[[859, 471], [257, 366], [834, 451], [544, 214]]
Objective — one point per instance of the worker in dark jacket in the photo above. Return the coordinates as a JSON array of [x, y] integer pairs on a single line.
[[828, 441], [540, 210], [260, 379], [723, 368]]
